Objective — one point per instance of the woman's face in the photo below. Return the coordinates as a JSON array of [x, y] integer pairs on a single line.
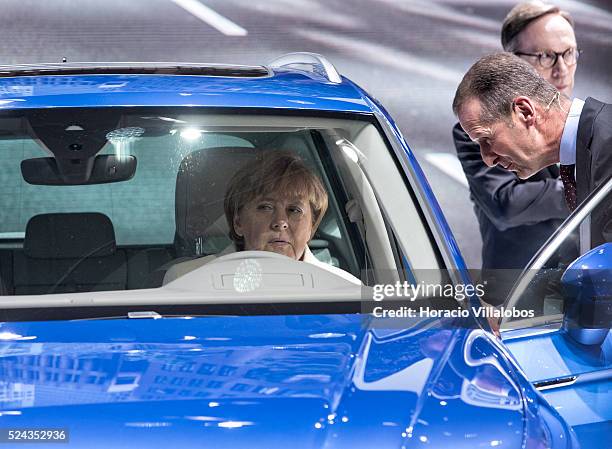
[[277, 223]]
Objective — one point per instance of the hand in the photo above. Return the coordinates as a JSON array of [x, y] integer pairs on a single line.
[[493, 321]]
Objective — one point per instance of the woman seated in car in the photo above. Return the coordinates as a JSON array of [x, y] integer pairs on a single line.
[[275, 204]]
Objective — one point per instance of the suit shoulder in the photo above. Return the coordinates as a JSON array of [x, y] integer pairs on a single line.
[[594, 109], [591, 102], [459, 133]]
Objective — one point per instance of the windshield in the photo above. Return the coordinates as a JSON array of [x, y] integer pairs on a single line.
[[128, 199]]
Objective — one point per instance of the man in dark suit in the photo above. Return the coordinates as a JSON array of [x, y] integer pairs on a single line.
[[594, 163], [517, 216], [524, 124]]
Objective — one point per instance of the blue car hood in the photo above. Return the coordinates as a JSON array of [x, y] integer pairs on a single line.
[[260, 381]]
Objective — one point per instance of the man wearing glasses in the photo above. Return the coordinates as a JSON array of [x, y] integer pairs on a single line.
[[524, 124], [517, 216]]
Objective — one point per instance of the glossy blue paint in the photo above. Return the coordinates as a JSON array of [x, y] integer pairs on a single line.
[[284, 90], [589, 275], [585, 405], [339, 381], [587, 288], [587, 408], [553, 355]]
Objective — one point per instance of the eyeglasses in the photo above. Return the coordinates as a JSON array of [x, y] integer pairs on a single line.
[[548, 59]]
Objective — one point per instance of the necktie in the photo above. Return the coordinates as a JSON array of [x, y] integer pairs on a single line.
[[569, 185]]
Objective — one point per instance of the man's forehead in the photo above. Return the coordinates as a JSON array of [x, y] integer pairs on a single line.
[[471, 108], [550, 32], [478, 132], [469, 117]]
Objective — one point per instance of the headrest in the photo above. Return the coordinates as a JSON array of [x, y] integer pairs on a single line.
[[69, 236], [201, 183]]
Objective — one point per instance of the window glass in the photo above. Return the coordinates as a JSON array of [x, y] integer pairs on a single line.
[[172, 206], [539, 294]]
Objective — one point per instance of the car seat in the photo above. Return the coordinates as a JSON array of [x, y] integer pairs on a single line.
[[69, 252], [201, 183]]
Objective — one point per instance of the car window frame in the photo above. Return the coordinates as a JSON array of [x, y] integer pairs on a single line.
[[576, 221]]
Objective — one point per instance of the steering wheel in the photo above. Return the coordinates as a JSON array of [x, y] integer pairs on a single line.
[[239, 255]]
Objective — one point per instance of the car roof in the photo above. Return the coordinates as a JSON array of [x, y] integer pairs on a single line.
[[290, 85]]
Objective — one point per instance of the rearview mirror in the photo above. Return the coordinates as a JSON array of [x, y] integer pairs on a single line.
[[99, 170], [587, 287]]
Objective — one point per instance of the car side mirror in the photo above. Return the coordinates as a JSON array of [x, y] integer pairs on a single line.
[[587, 287]]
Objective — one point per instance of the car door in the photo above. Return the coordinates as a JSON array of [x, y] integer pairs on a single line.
[[565, 348]]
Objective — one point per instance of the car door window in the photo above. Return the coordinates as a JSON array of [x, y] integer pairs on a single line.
[[539, 293]]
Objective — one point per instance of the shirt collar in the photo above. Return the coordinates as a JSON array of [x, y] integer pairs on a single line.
[[308, 256], [567, 149]]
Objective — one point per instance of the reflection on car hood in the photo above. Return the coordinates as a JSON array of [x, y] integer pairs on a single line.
[[261, 381]]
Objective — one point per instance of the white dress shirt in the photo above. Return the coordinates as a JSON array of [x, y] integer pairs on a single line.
[[567, 149]]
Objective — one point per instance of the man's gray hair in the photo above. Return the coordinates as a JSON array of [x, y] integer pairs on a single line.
[[495, 81], [521, 16]]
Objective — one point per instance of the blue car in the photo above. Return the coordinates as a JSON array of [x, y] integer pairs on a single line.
[[130, 319]]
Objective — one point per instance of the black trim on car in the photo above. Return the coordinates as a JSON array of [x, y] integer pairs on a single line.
[[179, 310], [232, 71]]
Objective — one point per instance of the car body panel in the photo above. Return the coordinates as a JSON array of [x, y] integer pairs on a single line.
[[313, 381], [285, 90], [585, 407], [583, 395], [553, 354]]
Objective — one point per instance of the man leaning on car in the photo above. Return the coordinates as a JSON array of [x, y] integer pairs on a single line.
[[517, 216]]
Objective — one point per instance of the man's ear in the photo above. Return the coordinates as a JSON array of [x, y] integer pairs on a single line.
[[524, 109]]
